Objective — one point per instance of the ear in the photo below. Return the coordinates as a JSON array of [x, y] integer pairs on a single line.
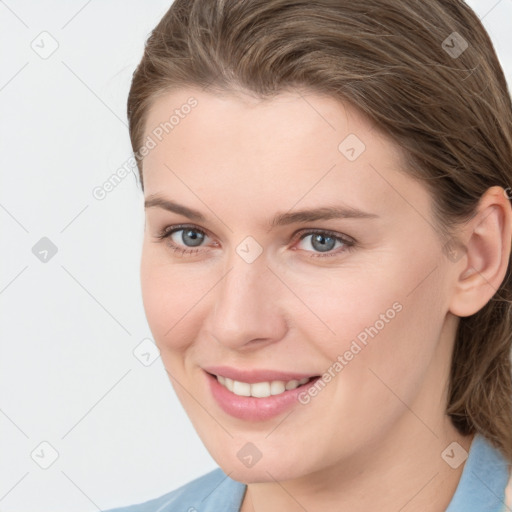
[[486, 238]]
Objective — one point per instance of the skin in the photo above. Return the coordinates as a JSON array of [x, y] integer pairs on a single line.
[[376, 432]]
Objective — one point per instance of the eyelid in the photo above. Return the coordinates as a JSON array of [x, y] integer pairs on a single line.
[[333, 234], [168, 230], [348, 242]]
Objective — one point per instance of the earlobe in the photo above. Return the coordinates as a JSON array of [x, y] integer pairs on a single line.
[[488, 242]]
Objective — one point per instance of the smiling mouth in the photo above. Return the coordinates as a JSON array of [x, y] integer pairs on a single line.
[[261, 389]]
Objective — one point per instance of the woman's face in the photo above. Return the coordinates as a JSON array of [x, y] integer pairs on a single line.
[[298, 250]]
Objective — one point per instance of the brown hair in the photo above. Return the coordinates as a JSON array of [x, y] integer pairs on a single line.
[[400, 63]]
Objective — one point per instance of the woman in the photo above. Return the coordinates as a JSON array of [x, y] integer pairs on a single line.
[[326, 260]]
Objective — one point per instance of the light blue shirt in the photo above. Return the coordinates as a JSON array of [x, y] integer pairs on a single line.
[[481, 488]]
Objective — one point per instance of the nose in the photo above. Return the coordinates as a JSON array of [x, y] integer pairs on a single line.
[[246, 311]]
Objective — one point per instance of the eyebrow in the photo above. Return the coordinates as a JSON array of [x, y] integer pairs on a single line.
[[281, 219]]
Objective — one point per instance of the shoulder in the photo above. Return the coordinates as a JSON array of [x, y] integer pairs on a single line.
[[212, 490]]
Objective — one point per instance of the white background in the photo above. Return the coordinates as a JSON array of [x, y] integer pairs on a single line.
[[68, 375]]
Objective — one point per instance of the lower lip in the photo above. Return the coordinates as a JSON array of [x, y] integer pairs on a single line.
[[250, 408]]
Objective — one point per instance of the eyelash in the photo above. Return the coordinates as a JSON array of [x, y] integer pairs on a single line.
[[165, 234]]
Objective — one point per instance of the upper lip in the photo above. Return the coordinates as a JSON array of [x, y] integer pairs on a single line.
[[255, 375]]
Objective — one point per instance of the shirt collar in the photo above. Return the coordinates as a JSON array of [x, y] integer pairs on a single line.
[[484, 478]]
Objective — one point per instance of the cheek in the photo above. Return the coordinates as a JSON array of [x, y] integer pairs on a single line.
[[346, 304], [394, 337], [170, 294], [382, 321]]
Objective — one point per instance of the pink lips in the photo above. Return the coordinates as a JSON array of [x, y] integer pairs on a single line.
[[250, 408], [252, 376]]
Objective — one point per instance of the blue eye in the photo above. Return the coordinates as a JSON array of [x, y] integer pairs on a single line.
[[189, 237], [183, 239], [324, 242], [320, 242]]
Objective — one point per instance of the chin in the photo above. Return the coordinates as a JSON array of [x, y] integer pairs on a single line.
[[260, 474], [267, 469]]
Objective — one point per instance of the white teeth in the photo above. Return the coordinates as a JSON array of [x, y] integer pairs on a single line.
[[277, 387], [292, 385], [241, 388], [260, 389]]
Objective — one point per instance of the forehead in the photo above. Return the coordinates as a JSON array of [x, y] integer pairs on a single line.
[[296, 146], [245, 117]]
